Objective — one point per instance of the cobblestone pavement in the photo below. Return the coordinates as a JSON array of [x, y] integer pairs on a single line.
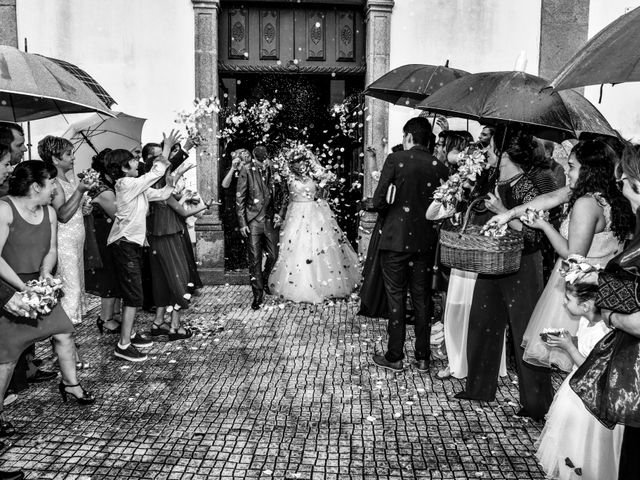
[[285, 392]]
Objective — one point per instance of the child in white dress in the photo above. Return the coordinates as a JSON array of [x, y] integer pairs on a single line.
[[573, 443]]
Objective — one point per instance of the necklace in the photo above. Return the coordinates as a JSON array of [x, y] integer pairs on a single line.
[[510, 180]]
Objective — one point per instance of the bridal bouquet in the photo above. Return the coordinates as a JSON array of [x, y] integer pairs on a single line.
[[42, 295], [90, 174], [470, 166]]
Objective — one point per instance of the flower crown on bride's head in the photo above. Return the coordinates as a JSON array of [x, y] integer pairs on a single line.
[[576, 270]]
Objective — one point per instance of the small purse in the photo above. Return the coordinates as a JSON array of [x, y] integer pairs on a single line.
[[618, 294], [391, 194]]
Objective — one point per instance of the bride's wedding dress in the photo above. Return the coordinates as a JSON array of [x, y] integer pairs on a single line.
[[315, 261]]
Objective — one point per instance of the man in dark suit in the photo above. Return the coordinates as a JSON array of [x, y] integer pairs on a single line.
[[408, 240], [258, 221]]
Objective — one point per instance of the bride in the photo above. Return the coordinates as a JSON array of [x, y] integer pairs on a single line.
[[316, 261]]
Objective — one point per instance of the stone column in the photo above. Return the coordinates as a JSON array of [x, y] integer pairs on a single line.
[[8, 23], [564, 29], [209, 232], [376, 132]]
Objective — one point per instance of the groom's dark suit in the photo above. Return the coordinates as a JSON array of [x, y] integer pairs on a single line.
[[407, 243], [255, 210]]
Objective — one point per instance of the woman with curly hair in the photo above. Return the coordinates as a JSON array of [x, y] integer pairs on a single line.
[[596, 227]]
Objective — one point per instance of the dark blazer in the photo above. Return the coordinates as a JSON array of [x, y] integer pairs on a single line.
[[416, 174], [256, 192]]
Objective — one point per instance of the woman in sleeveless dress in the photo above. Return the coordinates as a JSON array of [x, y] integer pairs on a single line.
[[316, 261], [101, 280], [28, 241], [68, 203], [598, 222]]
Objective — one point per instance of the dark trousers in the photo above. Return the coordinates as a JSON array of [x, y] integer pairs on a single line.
[[499, 301], [263, 237], [402, 272], [630, 454]]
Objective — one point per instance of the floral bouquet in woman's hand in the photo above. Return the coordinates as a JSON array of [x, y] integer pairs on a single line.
[[471, 163], [90, 174], [575, 268], [532, 215], [42, 295]]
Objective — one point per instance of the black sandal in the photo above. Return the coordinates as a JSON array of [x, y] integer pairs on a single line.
[[157, 330], [180, 336]]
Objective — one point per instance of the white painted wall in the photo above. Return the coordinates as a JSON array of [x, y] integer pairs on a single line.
[[473, 35], [140, 51], [621, 103]]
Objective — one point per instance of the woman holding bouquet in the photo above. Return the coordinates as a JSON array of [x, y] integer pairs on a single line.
[[28, 241], [316, 261], [508, 300], [598, 222], [481, 166]]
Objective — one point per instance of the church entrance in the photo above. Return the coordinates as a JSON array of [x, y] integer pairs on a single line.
[[307, 60]]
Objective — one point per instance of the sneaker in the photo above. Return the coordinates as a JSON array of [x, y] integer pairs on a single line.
[[130, 353], [140, 341]]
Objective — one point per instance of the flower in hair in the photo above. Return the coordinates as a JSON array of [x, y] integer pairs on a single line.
[[576, 269]]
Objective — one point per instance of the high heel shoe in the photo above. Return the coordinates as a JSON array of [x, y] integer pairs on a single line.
[[100, 325], [101, 328], [86, 398]]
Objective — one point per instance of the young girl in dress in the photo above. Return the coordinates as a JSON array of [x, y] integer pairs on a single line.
[[573, 443]]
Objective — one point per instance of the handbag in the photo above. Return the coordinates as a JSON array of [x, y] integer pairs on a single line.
[[618, 293], [391, 194]]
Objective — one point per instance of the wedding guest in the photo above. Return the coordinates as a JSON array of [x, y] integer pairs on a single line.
[[607, 382], [169, 264], [68, 202], [556, 169], [598, 223], [461, 286], [455, 143], [235, 243], [486, 134], [127, 237], [12, 136], [573, 442], [408, 240], [101, 280], [28, 241], [373, 299], [508, 300]]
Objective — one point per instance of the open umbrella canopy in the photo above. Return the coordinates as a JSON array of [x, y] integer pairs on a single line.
[[494, 97], [612, 56], [408, 85], [87, 79], [97, 132], [33, 87]]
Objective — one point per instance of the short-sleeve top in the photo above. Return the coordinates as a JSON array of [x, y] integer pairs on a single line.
[[27, 244]]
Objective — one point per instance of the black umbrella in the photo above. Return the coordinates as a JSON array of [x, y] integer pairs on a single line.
[[408, 85], [494, 97]]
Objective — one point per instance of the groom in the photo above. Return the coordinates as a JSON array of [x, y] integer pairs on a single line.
[[258, 220]]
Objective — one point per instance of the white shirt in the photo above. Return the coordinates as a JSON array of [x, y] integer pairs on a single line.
[[133, 195]]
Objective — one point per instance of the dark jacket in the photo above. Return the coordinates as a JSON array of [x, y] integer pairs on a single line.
[[256, 192], [416, 174]]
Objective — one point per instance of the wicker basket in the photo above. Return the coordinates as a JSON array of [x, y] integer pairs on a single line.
[[467, 249]]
